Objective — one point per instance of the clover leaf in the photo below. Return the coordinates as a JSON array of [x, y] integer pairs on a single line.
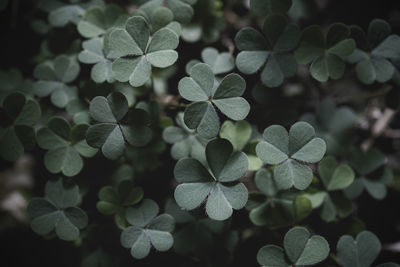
[[197, 184], [326, 53], [220, 63], [333, 202], [66, 146], [93, 53], [264, 8], [359, 252], [199, 88], [186, 142], [272, 49], [54, 77], [98, 19], [273, 208], [115, 200], [11, 81], [61, 16], [182, 10], [239, 134], [136, 55], [58, 211], [290, 152], [117, 125], [366, 165], [147, 230], [332, 124], [300, 249], [17, 118], [375, 52]]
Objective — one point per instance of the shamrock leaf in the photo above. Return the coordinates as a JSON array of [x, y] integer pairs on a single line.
[[199, 88], [11, 81], [186, 142], [300, 247], [136, 55], [199, 185], [366, 165], [147, 230], [117, 125], [264, 8], [98, 19], [93, 53], [272, 208], [359, 252], [375, 52], [326, 53], [270, 50], [239, 134], [54, 77], [220, 63], [65, 14], [17, 116], [289, 152], [66, 146], [182, 10], [332, 124], [115, 200], [334, 177], [57, 211]]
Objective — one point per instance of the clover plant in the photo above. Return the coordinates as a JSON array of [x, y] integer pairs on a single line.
[[199, 133]]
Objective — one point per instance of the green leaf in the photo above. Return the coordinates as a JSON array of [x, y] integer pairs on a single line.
[[271, 255], [198, 185], [359, 252], [118, 125], [199, 85], [57, 211], [237, 133], [148, 230], [292, 173], [335, 176], [304, 249], [18, 115], [219, 62]]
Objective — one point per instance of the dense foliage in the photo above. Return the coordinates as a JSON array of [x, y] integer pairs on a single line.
[[205, 133]]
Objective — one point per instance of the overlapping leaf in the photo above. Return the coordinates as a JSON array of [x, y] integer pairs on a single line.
[[290, 151], [66, 145], [148, 230], [115, 200], [220, 63], [117, 125], [54, 77], [333, 124], [58, 211], [199, 88], [11, 81], [375, 52], [272, 208], [185, 142], [270, 51], [367, 165], [181, 9], [17, 118], [335, 177], [198, 185], [98, 19], [326, 53], [300, 248], [136, 55], [93, 53]]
